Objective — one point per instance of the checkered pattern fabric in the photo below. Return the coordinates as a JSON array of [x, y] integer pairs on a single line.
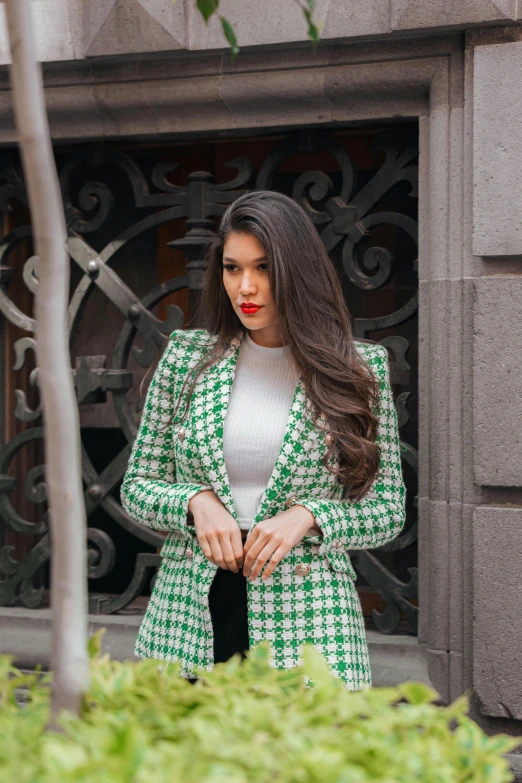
[[288, 608]]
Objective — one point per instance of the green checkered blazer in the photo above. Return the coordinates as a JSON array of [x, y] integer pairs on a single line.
[[168, 466]]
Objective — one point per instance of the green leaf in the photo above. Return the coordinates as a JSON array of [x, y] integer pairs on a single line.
[[207, 8], [316, 666], [230, 35], [418, 692], [94, 645], [314, 28]]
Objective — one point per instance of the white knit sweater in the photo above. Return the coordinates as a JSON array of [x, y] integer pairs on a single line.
[[255, 422]]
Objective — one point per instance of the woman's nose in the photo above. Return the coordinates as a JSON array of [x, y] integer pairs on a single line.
[[247, 286]]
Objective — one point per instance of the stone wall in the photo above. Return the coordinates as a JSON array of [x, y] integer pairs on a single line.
[[494, 94], [77, 29]]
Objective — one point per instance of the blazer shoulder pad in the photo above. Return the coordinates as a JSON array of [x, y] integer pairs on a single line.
[[370, 349], [375, 354], [192, 338]]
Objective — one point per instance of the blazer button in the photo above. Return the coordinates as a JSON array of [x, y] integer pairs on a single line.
[[189, 554], [181, 434], [302, 569], [291, 500]]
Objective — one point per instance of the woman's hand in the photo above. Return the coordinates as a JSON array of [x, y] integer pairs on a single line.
[[217, 531], [273, 538]]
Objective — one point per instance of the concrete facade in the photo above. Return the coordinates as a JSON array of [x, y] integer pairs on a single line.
[[456, 68], [78, 29], [497, 650], [497, 166]]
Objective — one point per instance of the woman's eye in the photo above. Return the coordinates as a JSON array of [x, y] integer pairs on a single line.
[[231, 267]]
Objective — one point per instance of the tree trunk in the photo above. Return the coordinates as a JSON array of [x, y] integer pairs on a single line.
[[62, 440]]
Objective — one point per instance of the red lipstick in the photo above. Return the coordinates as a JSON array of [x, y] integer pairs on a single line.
[[249, 308]]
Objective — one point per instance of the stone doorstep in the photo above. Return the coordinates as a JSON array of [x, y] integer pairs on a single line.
[[515, 763], [25, 634]]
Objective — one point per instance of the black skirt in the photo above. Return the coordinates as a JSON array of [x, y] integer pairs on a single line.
[[228, 610]]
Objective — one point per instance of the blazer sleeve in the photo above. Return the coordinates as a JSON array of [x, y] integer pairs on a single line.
[[149, 492], [380, 515]]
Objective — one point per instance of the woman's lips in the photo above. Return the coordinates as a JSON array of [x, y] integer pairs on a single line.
[[250, 310]]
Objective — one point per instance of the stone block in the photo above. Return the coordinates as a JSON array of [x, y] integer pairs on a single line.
[[356, 18], [419, 14], [434, 384], [455, 592], [438, 672], [497, 596], [57, 26], [115, 27], [466, 609], [471, 493], [273, 22], [424, 569], [497, 387], [456, 683], [256, 101], [439, 579], [497, 150]]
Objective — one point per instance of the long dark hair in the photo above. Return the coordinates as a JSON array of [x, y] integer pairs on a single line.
[[314, 320]]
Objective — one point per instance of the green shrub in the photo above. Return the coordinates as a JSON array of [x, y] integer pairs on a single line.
[[244, 722]]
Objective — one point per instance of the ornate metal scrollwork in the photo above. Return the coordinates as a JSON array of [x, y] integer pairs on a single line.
[[350, 219]]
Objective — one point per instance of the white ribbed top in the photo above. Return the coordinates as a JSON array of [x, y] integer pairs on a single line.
[[255, 421]]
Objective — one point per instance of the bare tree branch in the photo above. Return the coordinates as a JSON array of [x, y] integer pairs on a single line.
[[62, 439]]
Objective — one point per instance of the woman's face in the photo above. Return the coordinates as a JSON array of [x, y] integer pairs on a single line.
[[245, 277]]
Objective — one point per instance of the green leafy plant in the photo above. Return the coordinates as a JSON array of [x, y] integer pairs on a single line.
[[244, 722]]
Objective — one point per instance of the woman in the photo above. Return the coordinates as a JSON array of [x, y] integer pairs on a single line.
[[268, 447]]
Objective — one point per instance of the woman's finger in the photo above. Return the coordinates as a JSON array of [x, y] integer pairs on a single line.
[[250, 541], [251, 554], [262, 558], [237, 547], [275, 559], [205, 546], [217, 554], [228, 552]]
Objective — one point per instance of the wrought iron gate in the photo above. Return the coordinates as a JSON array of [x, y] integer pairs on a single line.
[[114, 200]]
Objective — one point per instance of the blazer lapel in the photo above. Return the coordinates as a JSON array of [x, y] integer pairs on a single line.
[[219, 386], [288, 458]]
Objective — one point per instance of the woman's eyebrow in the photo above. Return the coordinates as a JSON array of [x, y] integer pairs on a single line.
[[227, 258]]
